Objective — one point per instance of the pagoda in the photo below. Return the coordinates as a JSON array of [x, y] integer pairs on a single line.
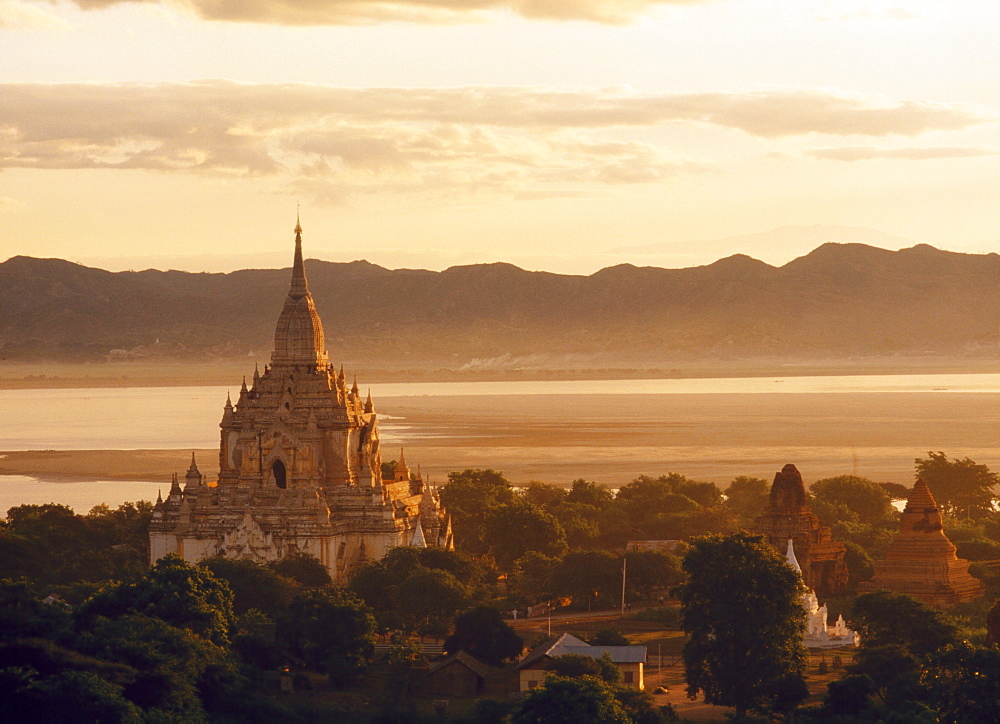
[[921, 561], [789, 517], [818, 633], [300, 466]]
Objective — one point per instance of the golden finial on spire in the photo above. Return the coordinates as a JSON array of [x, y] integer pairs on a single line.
[[298, 225]]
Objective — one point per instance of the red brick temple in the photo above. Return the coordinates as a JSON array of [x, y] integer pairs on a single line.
[[788, 515], [921, 561]]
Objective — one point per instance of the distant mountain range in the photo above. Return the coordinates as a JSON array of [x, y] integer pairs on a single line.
[[839, 300]]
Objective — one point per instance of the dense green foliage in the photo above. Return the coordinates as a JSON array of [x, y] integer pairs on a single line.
[[571, 701], [963, 488], [331, 629], [482, 633], [52, 545], [742, 611], [883, 618], [420, 589]]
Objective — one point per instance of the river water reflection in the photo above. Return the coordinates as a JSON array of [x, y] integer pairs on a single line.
[[605, 430], [167, 418]]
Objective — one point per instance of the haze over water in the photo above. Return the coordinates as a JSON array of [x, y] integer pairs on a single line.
[[605, 430], [169, 418]]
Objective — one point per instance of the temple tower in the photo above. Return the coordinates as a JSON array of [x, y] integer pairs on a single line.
[[300, 465], [921, 561], [789, 517]]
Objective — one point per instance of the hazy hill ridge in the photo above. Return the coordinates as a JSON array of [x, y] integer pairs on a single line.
[[840, 299]]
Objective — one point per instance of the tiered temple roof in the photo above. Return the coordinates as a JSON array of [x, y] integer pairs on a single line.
[[300, 465], [921, 561]]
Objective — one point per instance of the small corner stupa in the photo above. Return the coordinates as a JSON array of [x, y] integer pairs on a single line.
[[818, 634], [788, 516], [921, 561]]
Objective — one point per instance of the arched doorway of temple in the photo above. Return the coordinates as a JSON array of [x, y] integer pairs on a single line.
[[278, 471]]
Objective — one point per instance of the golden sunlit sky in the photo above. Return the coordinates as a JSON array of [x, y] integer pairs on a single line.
[[565, 135]]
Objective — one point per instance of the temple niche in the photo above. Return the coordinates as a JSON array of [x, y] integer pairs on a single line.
[[921, 561], [300, 466], [789, 517]]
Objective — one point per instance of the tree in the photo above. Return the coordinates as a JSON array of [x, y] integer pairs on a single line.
[[69, 697], [962, 681], [589, 573], [649, 570], [469, 495], [305, 569], [741, 607], [254, 585], [513, 529], [868, 502], [571, 701], [481, 632], [960, 487], [608, 637], [859, 564], [581, 522], [330, 629], [186, 596], [588, 493], [415, 588], [893, 670], [169, 660], [544, 495], [575, 665], [747, 497], [429, 598], [533, 575], [646, 497], [884, 618]]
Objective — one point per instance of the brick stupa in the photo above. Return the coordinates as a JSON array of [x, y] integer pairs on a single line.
[[788, 516], [921, 561]]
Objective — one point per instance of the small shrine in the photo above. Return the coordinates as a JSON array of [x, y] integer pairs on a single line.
[[818, 634], [788, 515], [921, 561]]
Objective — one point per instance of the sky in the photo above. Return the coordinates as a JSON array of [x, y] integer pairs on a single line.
[[559, 135]]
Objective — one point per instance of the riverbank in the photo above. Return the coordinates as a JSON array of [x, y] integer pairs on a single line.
[[54, 375], [612, 438]]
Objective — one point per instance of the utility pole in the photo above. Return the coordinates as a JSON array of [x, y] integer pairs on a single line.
[[624, 564]]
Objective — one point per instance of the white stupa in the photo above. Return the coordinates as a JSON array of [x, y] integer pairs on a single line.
[[818, 634]]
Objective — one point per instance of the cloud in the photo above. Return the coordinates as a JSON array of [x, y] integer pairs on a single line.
[[19, 15], [867, 153], [525, 142], [358, 12]]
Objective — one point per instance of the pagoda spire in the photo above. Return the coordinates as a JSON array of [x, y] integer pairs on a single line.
[[792, 560], [299, 286], [298, 337]]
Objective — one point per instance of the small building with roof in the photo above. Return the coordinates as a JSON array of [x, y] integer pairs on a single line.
[[630, 660], [459, 675]]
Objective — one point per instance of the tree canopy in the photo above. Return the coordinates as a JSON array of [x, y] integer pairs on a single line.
[[332, 629], [571, 701], [482, 633], [961, 487], [884, 618], [865, 501], [741, 607], [186, 596]]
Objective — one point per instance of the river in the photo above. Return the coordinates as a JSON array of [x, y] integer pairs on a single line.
[[607, 430]]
